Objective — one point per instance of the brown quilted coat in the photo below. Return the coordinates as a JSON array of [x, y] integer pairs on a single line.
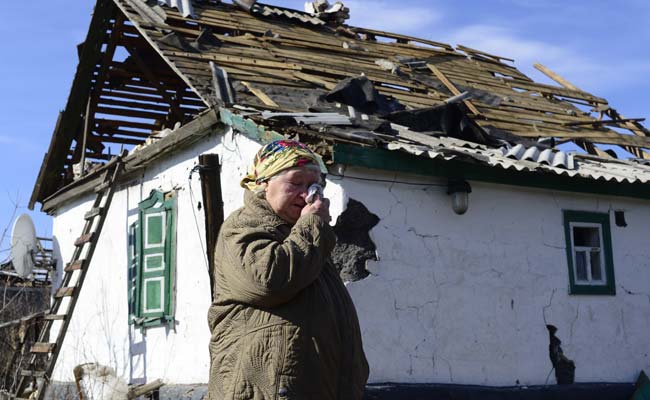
[[283, 325]]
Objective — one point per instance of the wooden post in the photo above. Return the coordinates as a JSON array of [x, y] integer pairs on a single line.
[[210, 173], [82, 170]]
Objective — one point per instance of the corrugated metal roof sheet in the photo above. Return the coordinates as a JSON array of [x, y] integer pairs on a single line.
[[183, 6], [308, 118], [641, 161], [530, 159], [555, 158], [268, 11]]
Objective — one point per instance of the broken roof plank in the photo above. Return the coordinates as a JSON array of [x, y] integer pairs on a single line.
[[272, 54], [557, 78], [260, 95], [452, 88], [61, 141], [599, 122], [556, 91], [633, 125], [536, 131], [123, 7], [469, 50], [443, 46]]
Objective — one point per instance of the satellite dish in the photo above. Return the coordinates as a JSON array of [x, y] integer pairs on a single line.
[[23, 245]]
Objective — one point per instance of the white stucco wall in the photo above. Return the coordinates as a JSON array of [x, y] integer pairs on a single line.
[[466, 298], [99, 331], [452, 299]]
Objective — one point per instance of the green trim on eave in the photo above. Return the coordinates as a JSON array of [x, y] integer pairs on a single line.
[[603, 220], [248, 127], [408, 163]]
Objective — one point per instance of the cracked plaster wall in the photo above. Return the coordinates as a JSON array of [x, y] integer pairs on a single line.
[[466, 299], [452, 299], [99, 331]]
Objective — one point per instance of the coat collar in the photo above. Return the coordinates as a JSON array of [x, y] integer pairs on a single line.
[[256, 204]]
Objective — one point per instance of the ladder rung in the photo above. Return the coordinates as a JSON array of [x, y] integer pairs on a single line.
[[64, 292], [74, 266], [83, 239], [93, 213], [42, 347], [35, 374], [101, 206], [54, 317], [103, 186]]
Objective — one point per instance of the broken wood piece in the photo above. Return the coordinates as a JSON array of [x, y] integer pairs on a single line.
[[469, 50], [460, 97], [314, 79], [22, 320], [603, 122], [452, 88], [144, 389], [260, 95], [557, 78]]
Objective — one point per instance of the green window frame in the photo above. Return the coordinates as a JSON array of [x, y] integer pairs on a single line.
[[152, 242], [589, 253]]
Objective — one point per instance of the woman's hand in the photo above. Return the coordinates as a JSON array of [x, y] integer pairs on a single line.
[[320, 207]]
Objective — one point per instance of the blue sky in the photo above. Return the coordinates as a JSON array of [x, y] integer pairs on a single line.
[[598, 46]]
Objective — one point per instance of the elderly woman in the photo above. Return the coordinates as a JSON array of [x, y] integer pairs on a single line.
[[283, 325]]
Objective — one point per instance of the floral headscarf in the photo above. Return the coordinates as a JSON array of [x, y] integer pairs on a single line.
[[276, 157]]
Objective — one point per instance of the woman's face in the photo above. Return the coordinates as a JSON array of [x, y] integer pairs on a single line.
[[286, 193]]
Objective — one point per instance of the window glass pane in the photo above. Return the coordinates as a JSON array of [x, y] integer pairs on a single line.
[[586, 237], [596, 271], [581, 265]]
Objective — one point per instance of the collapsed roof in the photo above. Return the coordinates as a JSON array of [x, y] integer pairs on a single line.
[[147, 67]]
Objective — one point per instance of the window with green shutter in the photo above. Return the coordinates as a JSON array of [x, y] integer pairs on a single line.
[[151, 261], [589, 253]]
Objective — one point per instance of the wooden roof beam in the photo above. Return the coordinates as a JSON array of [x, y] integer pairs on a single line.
[[175, 108], [48, 179], [631, 124], [557, 78], [452, 88]]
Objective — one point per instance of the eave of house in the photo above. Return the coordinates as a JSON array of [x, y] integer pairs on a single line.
[[468, 169], [203, 125]]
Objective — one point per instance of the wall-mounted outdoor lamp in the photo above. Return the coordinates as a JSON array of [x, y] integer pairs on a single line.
[[459, 190]]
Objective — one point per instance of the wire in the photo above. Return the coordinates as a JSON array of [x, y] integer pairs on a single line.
[[199, 168], [387, 181], [196, 221]]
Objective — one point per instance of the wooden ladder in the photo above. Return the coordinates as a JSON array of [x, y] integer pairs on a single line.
[[44, 352]]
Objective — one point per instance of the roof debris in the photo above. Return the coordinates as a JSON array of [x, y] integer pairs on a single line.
[[335, 14], [309, 74], [183, 6]]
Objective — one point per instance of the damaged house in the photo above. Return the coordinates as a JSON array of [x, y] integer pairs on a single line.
[[478, 250]]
